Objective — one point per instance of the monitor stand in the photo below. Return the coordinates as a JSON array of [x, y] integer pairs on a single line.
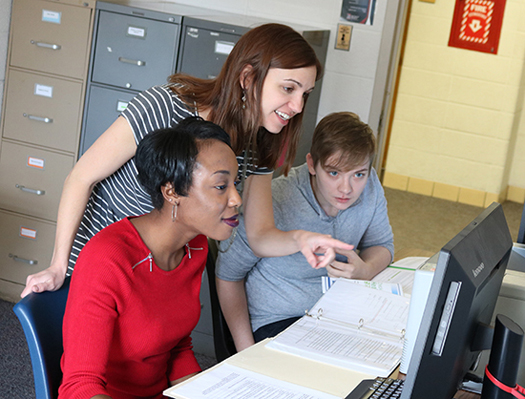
[[517, 258], [504, 359]]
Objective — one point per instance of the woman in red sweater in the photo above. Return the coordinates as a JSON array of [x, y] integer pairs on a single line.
[[134, 296]]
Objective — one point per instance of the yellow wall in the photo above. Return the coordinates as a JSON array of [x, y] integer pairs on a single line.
[[458, 131]]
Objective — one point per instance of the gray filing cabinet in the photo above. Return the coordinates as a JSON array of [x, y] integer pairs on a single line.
[[133, 49], [206, 38]]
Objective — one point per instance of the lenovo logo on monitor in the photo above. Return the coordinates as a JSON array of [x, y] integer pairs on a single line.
[[478, 269]]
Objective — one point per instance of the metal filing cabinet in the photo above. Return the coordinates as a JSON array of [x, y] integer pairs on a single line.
[[104, 105], [128, 49], [209, 40], [133, 50], [42, 112]]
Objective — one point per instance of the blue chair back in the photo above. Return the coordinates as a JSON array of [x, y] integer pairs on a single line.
[[41, 316]]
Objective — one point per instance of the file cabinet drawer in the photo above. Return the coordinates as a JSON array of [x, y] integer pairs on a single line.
[[50, 37], [43, 110], [26, 246], [214, 45], [133, 52], [31, 179], [104, 106]]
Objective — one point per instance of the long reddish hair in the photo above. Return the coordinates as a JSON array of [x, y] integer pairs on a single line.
[[267, 46]]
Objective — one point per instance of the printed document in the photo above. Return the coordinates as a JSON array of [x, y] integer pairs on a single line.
[[402, 273], [397, 278], [351, 326], [394, 288], [230, 382]]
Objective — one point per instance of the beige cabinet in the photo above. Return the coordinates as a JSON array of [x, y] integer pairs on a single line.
[[34, 182], [44, 92], [43, 110], [24, 247], [51, 37]]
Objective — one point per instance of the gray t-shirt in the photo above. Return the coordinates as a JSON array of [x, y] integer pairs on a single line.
[[283, 287]]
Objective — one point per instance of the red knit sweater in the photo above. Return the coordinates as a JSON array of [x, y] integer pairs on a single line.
[[127, 323]]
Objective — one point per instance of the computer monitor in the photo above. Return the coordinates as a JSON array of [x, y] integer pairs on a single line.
[[464, 290]]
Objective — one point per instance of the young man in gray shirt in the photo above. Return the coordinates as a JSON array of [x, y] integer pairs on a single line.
[[336, 192]]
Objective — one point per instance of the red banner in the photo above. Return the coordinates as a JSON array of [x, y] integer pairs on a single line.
[[477, 25]]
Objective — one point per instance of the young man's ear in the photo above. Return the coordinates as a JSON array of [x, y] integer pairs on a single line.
[[310, 163], [246, 78]]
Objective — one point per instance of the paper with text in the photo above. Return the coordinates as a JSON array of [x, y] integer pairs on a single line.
[[351, 326], [360, 306], [401, 272], [231, 382], [394, 288], [340, 346]]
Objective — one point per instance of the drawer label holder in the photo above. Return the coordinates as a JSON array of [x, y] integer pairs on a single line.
[[54, 17]]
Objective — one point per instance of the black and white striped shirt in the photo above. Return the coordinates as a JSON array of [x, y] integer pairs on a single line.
[[120, 195]]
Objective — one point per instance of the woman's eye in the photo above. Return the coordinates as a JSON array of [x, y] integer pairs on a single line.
[[288, 89], [221, 187]]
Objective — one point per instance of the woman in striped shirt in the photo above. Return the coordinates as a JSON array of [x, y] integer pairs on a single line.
[[257, 98]]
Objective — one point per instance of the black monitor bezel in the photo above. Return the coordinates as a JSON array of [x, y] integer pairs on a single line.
[[486, 239]]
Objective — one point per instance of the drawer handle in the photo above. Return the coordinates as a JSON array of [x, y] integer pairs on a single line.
[[133, 62], [30, 190], [47, 45], [28, 261], [38, 118]]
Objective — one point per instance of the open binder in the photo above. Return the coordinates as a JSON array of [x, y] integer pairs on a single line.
[[351, 326]]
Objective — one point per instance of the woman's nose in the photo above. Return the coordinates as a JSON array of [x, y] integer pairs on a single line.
[[235, 198], [297, 104]]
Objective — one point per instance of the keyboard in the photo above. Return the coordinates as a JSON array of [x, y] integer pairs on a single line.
[[380, 388]]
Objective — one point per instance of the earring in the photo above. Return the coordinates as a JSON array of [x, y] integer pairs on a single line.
[[243, 99], [174, 212]]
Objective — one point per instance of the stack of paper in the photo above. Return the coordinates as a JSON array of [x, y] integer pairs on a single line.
[[231, 382], [351, 326]]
